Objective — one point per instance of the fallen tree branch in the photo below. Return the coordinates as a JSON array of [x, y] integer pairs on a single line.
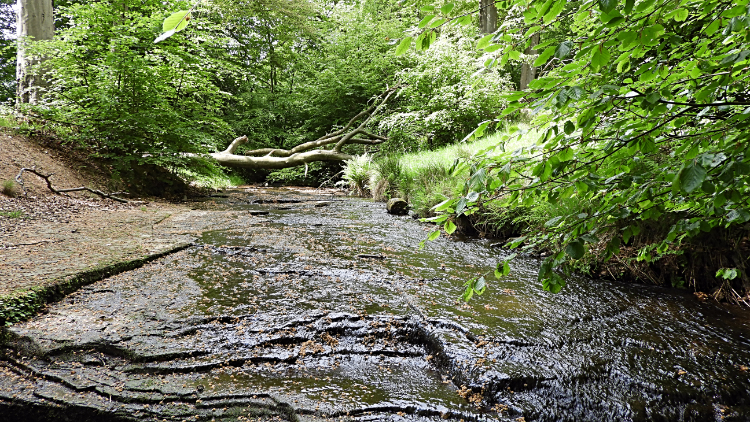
[[18, 245], [46, 177], [277, 158], [269, 162]]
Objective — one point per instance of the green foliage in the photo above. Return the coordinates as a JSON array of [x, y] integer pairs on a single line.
[[307, 80], [446, 95], [130, 99], [174, 23], [357, 173], [424, 179], [645, 81], [207, 174], [314, 174], [728, 273], [20, 306], [478, 286], [7, 52]]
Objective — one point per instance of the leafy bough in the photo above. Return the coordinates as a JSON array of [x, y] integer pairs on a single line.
[[646, 120]]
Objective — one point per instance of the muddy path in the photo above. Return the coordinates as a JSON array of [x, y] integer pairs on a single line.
[[323, 308]]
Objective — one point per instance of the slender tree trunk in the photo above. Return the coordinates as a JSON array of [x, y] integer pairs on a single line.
[[487, 16], [528, 71], [35, 23]]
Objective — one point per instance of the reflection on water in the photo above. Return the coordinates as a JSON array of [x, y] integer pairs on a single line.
[[330, 310], [597, 351]]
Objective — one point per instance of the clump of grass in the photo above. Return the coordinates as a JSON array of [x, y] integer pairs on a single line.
[[357, 174], [423, 178], [10, 188], [11, 214]]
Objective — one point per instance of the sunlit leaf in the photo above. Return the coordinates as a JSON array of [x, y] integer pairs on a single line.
[[176, 21], [403, 46]]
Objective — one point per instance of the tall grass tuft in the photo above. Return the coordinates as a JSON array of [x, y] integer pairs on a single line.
[[423, 178], [10, 188]]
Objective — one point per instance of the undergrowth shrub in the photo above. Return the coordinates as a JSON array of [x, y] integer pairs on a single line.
[[446, 95], [357, 173]]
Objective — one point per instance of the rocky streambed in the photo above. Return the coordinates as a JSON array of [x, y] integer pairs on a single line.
[[307, 307]]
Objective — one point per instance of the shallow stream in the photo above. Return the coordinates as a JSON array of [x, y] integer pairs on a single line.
[[323, 307]]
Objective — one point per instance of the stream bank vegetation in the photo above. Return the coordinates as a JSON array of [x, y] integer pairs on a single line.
[[642, 167]]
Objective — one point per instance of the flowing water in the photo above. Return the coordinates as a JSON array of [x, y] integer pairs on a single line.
[[321, 308]]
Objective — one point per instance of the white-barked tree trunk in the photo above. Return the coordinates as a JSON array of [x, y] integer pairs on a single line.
[[35, 23]]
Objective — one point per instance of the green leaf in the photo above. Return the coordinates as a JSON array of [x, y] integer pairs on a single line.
[[425, 21], [443, 205], [566, 155], [403, 46], [463, 20], [692, 177], [436, 219], [434, 235], [570, 127], [628, 6], [554, 10], [450, 227], [438, 23], [575, 249], [607, 6], [484, 42], [428, 8], [546, 54], [468, 292], [728, 273], [447, 8], [503, 268], [480, 286], [164, 36], [552, 221], [713, 27], [176, 21], [563, 50], [739, 216], [680, 15]]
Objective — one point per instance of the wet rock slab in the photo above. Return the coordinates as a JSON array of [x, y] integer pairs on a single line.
[[278, 317]]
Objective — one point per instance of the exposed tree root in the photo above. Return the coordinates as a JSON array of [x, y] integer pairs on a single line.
[[113, 196]]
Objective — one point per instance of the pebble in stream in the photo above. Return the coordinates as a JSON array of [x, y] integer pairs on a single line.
[[281, 318]]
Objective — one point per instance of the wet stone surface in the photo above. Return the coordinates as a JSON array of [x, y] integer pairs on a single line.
[[294, 311]]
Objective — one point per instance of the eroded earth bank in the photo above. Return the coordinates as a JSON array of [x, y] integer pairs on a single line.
[[310, 307]]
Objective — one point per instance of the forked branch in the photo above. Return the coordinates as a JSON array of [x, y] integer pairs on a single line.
[[276, 158], [113, 196]]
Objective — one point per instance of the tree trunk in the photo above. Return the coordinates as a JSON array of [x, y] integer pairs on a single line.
[[528, 71], [35, 23], [487, 16]]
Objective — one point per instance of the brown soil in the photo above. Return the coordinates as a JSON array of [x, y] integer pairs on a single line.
[[71, 168], [46, 239]]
